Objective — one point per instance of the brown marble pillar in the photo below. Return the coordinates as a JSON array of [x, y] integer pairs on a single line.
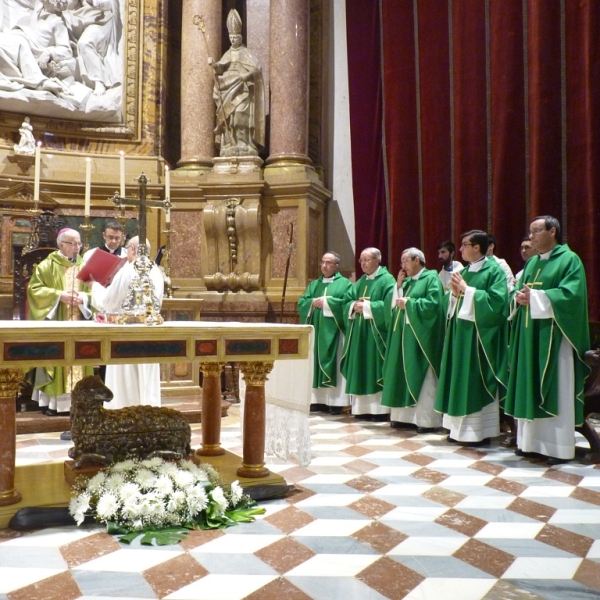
[[197, 104], [289, 37], [9, 385], [253, 461], [211, 410]]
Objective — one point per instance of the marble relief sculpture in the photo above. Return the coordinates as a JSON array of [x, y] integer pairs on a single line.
[[62, 58], [239, 97], [26, 143]]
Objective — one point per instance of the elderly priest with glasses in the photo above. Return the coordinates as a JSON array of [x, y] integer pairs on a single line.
[[55, 294]]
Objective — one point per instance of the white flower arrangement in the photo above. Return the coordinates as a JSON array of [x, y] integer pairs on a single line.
[[162, 500]]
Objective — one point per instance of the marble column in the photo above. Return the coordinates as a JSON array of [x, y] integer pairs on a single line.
[[9, 385], [211, 410], [197, 104], [253, 461], [289, 39]]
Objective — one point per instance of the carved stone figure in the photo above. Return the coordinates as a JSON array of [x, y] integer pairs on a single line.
[[239, 96], [26, 144]]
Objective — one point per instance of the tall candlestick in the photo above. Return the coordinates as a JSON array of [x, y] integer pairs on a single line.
[[88, 185], [122, 172], [36, 172], [167, 193]]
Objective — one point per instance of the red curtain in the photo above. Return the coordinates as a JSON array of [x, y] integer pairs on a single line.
[[487, 114], [366, 110]]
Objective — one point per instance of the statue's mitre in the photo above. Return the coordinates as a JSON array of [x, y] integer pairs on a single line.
[[234, 22]]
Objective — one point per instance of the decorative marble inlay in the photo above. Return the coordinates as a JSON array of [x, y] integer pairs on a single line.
[[186, 245], [14, 351], [288, 346], [206, 348], [133, 349], [88, 350], [238, 347]]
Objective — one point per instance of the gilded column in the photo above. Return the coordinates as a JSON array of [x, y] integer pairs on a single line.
[[289, 40], [211, 410], [9, 385], [197, 104], [253, 461]]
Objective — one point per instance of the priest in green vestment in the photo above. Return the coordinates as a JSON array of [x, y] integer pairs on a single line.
[[55, 294], [474, 374], [367, 316], [322, 306], [414, 345], [549, 337]]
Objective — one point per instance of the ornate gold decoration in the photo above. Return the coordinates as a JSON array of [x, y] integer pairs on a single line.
[[141, 304], [233, 234], [256, 373], [86, 227], [10, 380], [211, 369]]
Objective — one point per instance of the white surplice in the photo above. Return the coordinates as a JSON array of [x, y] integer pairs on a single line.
[[131, 385]]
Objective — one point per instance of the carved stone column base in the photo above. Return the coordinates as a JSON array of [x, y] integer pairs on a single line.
[[9, 385], [10, 497], [211, 410], [210, 450], [253, 471]]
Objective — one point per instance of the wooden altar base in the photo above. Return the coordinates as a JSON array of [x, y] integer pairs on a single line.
[[35, 422], [46, 485]]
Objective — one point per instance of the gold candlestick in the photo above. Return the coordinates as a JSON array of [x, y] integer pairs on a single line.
[[165, 262], [86, 227]]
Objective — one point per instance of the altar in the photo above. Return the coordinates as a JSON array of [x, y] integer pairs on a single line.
[[255, 346]]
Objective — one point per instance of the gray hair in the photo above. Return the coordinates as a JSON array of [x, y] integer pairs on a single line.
[[62, 234], [415, 253], [335, 255], [374, 252]]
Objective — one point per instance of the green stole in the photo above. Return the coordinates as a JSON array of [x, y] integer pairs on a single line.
[[364, 347], [474, 360], [415, 340], [327, 329], [535, 343]]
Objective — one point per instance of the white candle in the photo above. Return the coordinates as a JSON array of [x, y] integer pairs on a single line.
[[36, 172], [167, 192], [88, 185], [122, 173]]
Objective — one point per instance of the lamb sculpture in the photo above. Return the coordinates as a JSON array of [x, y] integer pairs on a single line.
[[102, 437]]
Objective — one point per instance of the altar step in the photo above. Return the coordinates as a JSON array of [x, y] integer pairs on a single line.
[[35, 422]]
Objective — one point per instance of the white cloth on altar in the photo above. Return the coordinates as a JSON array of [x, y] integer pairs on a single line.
[[287, 395], [130, 384]]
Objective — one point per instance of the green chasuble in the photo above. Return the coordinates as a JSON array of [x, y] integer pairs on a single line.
[[364, 347], [474, 361], [415, 340], [327, 329], [535, 343], [49, 279]]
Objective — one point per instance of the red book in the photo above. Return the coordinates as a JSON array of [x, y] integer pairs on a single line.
[[102, 266]]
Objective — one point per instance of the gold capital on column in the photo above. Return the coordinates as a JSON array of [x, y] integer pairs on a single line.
[[10, 380], [211, 369], [256, 373]]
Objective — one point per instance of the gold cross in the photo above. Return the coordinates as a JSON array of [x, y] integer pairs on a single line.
[[532, 284]]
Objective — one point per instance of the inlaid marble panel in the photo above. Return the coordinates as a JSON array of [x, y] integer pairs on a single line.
[[280, 224]]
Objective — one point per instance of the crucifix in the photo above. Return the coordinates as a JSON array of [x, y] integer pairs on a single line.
[[141, 304]]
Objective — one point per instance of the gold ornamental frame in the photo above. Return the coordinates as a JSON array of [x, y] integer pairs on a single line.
[[129, 129]]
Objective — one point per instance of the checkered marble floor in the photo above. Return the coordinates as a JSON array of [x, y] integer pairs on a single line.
[[379, 513]]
